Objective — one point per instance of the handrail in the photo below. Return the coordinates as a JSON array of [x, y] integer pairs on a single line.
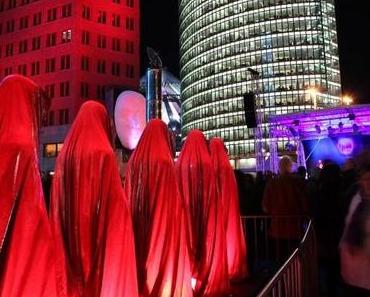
[[298, 275]]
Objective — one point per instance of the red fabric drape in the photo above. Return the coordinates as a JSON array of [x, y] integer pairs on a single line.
[[197, 183], [228, 192], [158, 216], [89, 212], [26, 254]]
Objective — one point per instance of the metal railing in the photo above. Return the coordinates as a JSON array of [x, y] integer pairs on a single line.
[[285, 247]]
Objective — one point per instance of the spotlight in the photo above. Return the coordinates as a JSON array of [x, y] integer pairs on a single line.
[[340, 125], [318, 129], [355, 127]]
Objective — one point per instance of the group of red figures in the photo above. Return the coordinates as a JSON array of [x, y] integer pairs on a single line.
[[172, 229]]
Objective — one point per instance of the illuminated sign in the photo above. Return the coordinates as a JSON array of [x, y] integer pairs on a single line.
[[345, 146]]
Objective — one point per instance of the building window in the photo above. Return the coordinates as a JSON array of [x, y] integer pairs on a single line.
[[50, 65], [130, 71], [66, 10], [86, 12], [85, 37], [51, 150], [101, 66], [37, 18], [130, 24], [116, 44], [8, 71], [50, 92], [52, 14], [129, 47], [23, 46], [35, 68], [9, 50], [116, 20], [51, 39], [66, 36], [36, 43], [116, 68], [22, 69], [102, 17], [12, 4], [64, 89], [10, 26], [63, 117], [23, 23], [130, 3], [85, 63], [84, 90], [102, 41], [65, 62], [100, 92]]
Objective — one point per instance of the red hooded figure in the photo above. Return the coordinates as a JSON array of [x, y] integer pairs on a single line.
[[89, 212], [26, 254], [158, 216], [197, 183], [228, 192]]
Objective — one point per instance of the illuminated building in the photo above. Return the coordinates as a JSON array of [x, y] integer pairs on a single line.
[[292, 44], [74, 49]]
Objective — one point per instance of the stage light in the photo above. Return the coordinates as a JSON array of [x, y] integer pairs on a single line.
[[347, 100], [318, 129], [355, 127]]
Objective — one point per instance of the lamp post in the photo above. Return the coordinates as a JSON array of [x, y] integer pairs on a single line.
[[347, 100], [313, 94], [258, 135]]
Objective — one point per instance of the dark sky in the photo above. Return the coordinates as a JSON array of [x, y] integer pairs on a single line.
[[160, 31]]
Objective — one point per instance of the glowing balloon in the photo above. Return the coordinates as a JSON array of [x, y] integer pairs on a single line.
[[129, 118]]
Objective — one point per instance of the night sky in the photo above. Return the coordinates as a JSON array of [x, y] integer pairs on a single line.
[[160, 31]]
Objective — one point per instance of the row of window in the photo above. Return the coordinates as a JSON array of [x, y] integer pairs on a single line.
[[11, 4], [237, 16], [65, 63], [65, 90], [102, 18], [66, 36]]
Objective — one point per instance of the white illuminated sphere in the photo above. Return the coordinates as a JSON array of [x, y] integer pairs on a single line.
[[129, 118]]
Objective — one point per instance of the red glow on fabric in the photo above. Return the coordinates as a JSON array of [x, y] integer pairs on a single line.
[[228, 191], [90, 217], [206, 232], [158, 216], [26, 252]]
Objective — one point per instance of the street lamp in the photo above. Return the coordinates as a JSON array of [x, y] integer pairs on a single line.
[[347, 100], [313, 93]]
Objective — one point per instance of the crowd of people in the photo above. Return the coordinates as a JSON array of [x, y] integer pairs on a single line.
[[337, 199], [169, 230]]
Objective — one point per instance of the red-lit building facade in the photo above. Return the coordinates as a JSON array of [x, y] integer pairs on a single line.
[[74, 49]]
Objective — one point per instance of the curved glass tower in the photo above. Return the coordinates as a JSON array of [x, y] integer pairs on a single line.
[[292, 44]]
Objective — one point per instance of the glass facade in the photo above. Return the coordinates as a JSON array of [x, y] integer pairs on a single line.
[[291, 43]]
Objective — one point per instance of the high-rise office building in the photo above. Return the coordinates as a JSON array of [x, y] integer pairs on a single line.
[[291, 44], [74, 49]]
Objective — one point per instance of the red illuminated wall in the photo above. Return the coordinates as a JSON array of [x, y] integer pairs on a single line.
[[114, 22]]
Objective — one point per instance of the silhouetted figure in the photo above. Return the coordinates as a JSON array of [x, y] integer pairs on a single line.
[[355, 242]]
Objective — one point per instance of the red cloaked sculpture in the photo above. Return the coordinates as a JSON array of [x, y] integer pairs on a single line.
[[26, 253], [158, 216], [197, 183], [89, 212], [228, 192]]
